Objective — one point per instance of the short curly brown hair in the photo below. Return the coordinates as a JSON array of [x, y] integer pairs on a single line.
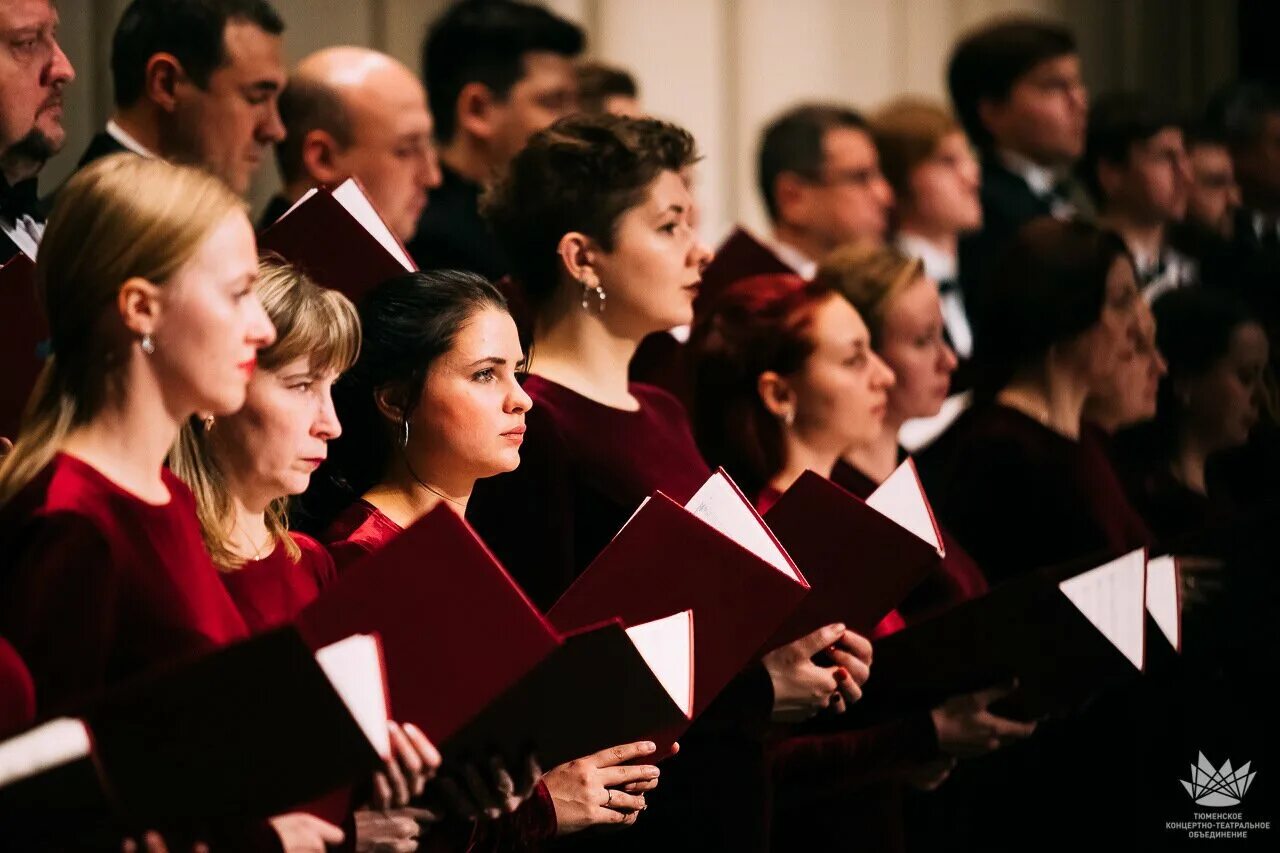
[[581, 174]]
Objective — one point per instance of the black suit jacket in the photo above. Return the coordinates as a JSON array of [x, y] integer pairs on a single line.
[[1007, 204], [100, 146]]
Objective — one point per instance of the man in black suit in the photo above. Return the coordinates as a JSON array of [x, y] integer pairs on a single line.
[[33, 73], [196, 81], [1017, 89], [496, 73]]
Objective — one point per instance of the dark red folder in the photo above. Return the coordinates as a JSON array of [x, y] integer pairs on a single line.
[[667, 559], [473, 663], [1027, 629], [740, 256], [249, 731], [23, 340], [330, 243], [859, 563]]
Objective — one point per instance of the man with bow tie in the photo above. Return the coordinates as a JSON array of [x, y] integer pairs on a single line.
[[33, 73]]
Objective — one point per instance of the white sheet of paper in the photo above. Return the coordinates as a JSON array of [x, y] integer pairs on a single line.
[[1111, 597], [901, 499], [350, 196], [918, 433], [667, 646], [306, 195], [719, 504], [354, 667], [1162, 596], [57, 742]]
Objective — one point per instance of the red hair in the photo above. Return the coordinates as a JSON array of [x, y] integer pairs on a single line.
[[756, 325]]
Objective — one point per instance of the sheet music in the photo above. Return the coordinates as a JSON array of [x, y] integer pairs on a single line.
[[350, 196], [1162, 597], [667, 646], [901, 499], [354, 667], [1112, 598], [720, 504], [57, 742]]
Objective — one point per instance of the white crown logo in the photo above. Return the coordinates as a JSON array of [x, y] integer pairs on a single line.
[[1218, 788]]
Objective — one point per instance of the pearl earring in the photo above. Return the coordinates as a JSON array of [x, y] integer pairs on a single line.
[[148, 344]]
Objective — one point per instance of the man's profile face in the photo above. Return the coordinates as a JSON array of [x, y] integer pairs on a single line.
[[228, 126], [546, 93], [33, 73]]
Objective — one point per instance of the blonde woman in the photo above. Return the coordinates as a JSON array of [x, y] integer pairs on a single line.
[[146, 273]]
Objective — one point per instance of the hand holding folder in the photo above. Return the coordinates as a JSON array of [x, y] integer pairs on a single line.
[[714, 556], [337, 237], [472, 662]]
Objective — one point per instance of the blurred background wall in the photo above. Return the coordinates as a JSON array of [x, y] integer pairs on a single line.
[[722, 68]]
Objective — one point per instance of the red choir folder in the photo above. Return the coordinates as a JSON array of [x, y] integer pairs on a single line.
[[473, 663], [248, 731], [860, 562], [337, 237], [22, 343], [714, 556], [1064, 634]]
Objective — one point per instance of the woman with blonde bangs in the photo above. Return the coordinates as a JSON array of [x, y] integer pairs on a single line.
[[901, 306], [146, 273]]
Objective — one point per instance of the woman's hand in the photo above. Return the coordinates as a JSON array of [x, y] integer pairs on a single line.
[[394, 831], [304, 833], [601, 788], [471, 793], [931, 775], [413, 763], [966, 728], [802, 688]]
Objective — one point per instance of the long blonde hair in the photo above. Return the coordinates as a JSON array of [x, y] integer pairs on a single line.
[[310, 321], [119, 218]]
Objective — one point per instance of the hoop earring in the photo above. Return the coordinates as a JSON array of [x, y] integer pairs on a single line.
[[591, 287], [147, 344], [404, 437]]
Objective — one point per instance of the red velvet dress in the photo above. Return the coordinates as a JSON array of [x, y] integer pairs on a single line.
[[585, 468], [270, 592], [99, 586], [831, 783], [17, 693], [358, 531], [1019, 496]]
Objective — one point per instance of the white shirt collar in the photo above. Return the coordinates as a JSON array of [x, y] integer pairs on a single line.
[[804, 266], [1040, 178], [119, 134], [939, 265]]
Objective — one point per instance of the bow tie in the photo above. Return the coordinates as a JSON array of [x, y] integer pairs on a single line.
[[19, 200]]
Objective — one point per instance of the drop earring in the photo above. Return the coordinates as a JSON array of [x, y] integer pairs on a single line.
[[591, 288], [147, 344]]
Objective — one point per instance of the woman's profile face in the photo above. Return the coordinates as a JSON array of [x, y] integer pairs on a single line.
[[1222, 403], [651, 275], [469, 422], [281, 435], [1104, 347], [912, 344], [211, 323]]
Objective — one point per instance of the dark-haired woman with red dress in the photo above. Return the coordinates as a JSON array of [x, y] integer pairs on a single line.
[[596, 219]]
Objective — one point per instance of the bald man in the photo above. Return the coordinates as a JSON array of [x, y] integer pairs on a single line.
[[354, 112]]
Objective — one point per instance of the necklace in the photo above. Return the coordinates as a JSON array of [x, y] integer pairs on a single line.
[[433, 490], [258, 551]]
